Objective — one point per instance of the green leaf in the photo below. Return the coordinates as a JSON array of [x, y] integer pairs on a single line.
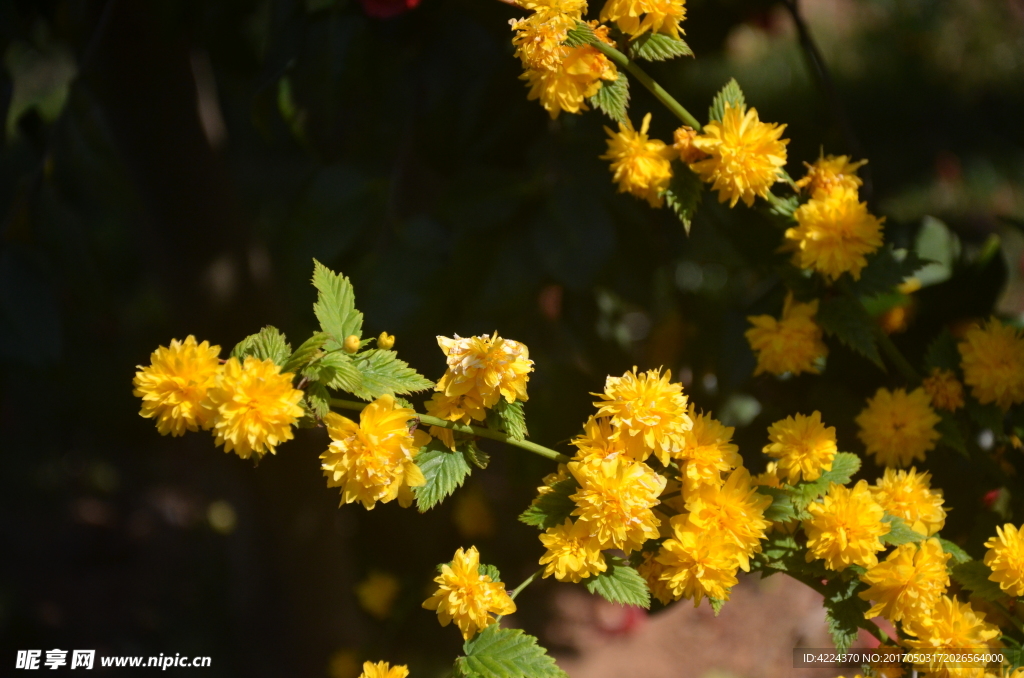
[[716, 605], [490, 571], [318, 399], [952, 434], [886, 270], [731, 94], [305, 353], [844, 611], [844, 466], [621, 584], [846, 320], [508, 418], [267, 343], [552, 508], [683, 194], [613, 98], [444, 471], [658, 47], [942, 352], [959, 556], [506, 653], [899, 532], [335, 306], [383, 373], [580, 35], [475, 455], [781, 509], [974, 576]]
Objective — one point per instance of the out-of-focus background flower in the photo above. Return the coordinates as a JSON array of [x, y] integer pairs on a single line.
[[173, 167]]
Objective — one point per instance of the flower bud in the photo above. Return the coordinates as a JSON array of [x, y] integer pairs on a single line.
[[351, 344], [385, 341]]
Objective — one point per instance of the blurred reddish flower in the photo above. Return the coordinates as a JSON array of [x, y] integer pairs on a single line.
[[386, 9]]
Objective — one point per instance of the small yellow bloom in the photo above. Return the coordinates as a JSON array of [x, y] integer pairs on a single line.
[[600, 442], [175, 383], [538, 39], [683, 139], [908, 582], [791, 344], [374, 460], [256, 407], [770, 477], [951, 629], [698, 562], [804, 446], [746, 156], [993, 363], [383, 670], [708, 452], [615, 498], [485, 368], [573, 554], [898, 427], [735, 510], [385, 341], [834, 234], [845, 527], [945, 390], [640, 165], [462, 408], [351, 344], [908, 495], [377, 593], [636, 17], [830, 172], [468, 597], [651, 570], [649, 408], [548, 8], [1005, 556]]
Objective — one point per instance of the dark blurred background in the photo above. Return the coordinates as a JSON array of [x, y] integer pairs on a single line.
[[171, 168]]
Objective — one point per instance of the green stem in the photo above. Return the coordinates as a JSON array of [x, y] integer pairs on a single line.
[[478, 431], [526, 582], [627, 64]]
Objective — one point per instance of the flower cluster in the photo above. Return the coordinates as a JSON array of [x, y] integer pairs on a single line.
[[846, 527], [898, 427], [993, 363], [792, 344], [250, 406], [467, 596], [803, 445]]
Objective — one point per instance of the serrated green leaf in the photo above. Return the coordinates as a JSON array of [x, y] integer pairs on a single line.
[[658, 47], [885, 270], [731, 94], [581, 34], [336, 370], [899, 532], [383, 373], [952, 434], [335, 306], [846, 320], [318, 399], [844, 466], [958, 555], [506, 653], [620, 583], [552, 508], [942, 352], [444, 471], [305, 353], [974, 576], [683, 194], [267, 343], [844, 611], [475, 455], [716, 605], [508, 418], [783, 209], [613, 98], [781, 509], [490, 571]]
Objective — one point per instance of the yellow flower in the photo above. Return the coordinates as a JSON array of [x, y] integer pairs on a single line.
[[658, 16], [462, 408], [791, 344], [539, 37], [1005, 556], [374, 460], [468, 597], [993, 363], [908, 582], [485, 368], [377, 593], [830, 172], [845, 527], [572, 553], [615, 498], [746, 155], [734, 510], [707, 453], [256, 407], [683, 139], [951, 627], [804, 446], [908, 495], [945, 390], [648, 407], [385, 341], [834, 233], [600, 442], [383, 670], [770, 477], [651, 570], [898, 427], [640, 165], [549, 482], [548, 8], [174, 385], [698, 562]]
